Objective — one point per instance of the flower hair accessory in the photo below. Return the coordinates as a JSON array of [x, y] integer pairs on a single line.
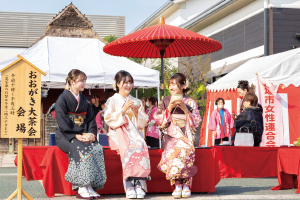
[[115, 85], [187, 84]]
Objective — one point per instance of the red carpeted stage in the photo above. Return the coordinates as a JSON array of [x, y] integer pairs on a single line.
[[50, 165]]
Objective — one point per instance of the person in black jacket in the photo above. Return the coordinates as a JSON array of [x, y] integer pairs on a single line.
[[75, 117], [251, 117]]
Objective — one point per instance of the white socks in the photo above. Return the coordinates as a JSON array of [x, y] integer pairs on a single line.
[[178, 187], [139, 191], [90, 189], [83, 192], [186, 188]]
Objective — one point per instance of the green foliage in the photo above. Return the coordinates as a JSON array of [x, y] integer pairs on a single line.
[[110, 38], [198, 83], [169, 71], [138, 60]]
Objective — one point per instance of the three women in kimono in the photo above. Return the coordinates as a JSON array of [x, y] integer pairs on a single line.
[[75, 116], [177, 121], [220, 122], [126, 118]]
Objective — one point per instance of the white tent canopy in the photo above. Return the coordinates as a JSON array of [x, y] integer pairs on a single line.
[[56, 56], [282, 68]]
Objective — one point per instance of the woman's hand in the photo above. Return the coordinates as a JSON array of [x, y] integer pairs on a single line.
[[93, 139], [172, 105], [104, 131], [81, 138], [183, 107], [215, 133], [127, 106], [135, 110]]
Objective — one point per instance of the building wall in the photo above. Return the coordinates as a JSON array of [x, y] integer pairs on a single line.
[[286, 23], [233, 18], [20, 29], [7, 53], [285, 3], [50, 125], [240, 37], [236, 39], [188, 10]]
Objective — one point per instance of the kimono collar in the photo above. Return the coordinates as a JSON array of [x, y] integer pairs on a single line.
[[76, 96], [122, 96], [150, 109]]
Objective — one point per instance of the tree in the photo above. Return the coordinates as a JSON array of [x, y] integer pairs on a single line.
[[198, 83], [110, 38], [169, 71], [138, 60]]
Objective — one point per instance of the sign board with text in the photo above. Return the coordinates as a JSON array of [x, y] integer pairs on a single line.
[[20, 100]]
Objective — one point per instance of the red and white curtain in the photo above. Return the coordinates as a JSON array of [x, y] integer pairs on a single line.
[[290, 106]]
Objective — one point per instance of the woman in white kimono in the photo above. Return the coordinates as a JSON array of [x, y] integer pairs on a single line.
[[126, 118]]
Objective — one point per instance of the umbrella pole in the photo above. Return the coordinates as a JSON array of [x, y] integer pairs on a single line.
[[162, 53]]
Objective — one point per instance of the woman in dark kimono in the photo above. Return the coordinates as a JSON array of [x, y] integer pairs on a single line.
[[251, 117], [75, 116]]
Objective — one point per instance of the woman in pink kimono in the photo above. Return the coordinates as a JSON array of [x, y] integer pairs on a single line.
[[220, 122], [152, 131], [126, 118], [99, 120], [178, 120]]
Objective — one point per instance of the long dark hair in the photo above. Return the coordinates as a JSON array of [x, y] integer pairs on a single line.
[[121, 76]]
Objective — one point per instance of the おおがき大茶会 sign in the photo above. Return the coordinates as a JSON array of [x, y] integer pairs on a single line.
[[20, 100]]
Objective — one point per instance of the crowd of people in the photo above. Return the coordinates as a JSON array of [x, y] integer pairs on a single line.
[[133, 125], [249, 120]]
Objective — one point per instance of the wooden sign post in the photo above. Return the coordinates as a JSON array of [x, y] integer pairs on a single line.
[[20, 107]]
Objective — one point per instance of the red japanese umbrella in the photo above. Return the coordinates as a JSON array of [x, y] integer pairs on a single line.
[[162, 41]]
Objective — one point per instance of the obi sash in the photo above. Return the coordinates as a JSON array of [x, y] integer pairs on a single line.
[[77, 118]]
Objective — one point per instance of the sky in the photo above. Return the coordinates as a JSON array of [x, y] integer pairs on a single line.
[[135, 11]]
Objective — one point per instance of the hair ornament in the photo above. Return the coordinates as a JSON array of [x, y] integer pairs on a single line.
[[187, 84], [115, 85]]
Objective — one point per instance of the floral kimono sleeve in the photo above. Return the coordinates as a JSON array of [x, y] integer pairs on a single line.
[[162, 116], [194, 117], [112, 117]]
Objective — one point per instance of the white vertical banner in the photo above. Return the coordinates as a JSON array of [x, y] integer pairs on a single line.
[[272, 113], [285, 118]]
